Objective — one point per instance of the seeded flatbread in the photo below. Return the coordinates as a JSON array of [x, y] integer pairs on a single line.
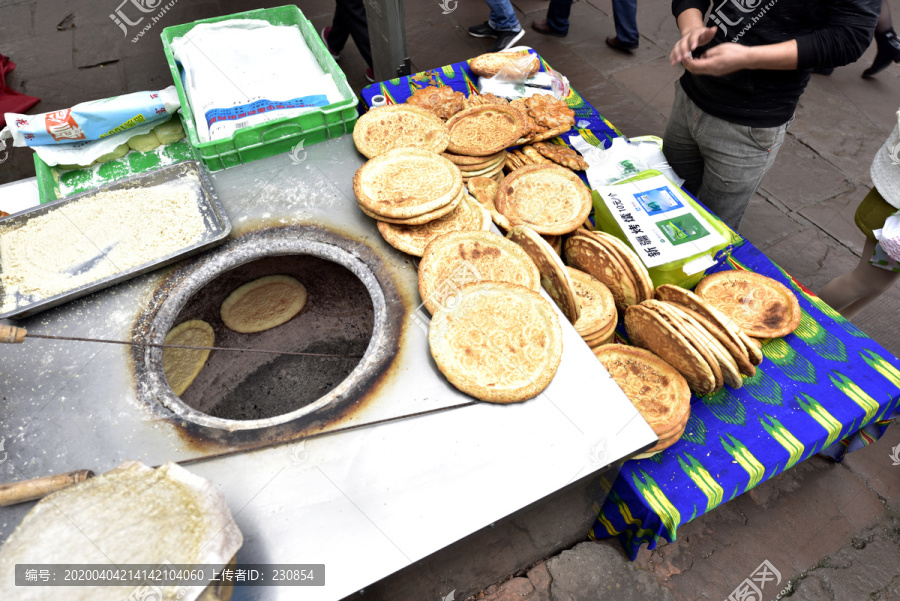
[[674, 319], [180, 365], [547, 198], [263, 304], [731, 373], [659, 393], [419, 219], [483, 130], [484, 189], [758, 305], [499, 343], [639, 273], [648, 329], [464, 160], [413, 239], [598, 307], [554, 277], [588, 255], [399, 126], [456, 259]]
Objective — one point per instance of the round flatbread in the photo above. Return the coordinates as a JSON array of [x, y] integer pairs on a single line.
[[464, 160], [554, 277], [484, 189], [674, 319], [419, 219], [181, 365], [758, 305], [457, 259], [406, 182], [488, 65], [413, 239], [648, 329], [547, 198], [598, 307], [712, 320], [659, 393], [731, 373], [500, 342], [263, 304], [639, 273], [590, 256], [490, 168], [483, 130], [556, 242], [399, 126]]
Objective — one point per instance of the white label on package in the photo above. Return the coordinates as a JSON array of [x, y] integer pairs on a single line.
[[660, 224]]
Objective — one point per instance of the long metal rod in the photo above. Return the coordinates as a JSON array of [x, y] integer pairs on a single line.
[[199, 348]]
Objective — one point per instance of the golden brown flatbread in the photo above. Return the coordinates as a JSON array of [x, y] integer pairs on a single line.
[[405, 183], [483, 130], [518, 64], [456, 259], [263, 304], [758, 305], [547, 198], [464, 160], [412, 239], [589, 255], [668, 312], [399, 126], [499, 343], [598, 307], [180, 365], [554, 277]]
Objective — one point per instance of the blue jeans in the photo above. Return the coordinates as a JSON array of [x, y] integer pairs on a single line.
[[721, 162], [625, 16], [503, 16], [558, 15]]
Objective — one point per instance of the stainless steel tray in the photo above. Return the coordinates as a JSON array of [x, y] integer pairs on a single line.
[[216, 222]]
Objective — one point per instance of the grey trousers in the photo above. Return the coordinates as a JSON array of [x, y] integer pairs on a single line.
[[722, 163]]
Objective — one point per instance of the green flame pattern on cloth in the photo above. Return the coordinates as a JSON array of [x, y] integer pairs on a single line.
[[783, 437], [815, 410], [820, 339], [880, 364], [695, 431], [702, 478], [658, 501], [726, 407], [794, 365], [764, 389], [740, 452], [856, 394]]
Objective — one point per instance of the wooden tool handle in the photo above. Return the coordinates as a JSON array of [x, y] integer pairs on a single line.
[[12, 334], [38, 488]]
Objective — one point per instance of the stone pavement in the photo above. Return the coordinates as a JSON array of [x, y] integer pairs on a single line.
[[832, 531]]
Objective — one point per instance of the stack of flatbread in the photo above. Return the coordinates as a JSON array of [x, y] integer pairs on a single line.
[[659, 393], [554, 276], [543, 153], [479, 137], [597, 320], [549, 199], [708, 348], [612, 262]]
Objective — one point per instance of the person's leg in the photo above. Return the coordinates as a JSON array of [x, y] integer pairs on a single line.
[[887, 41], [503, 16], [353, 16], [625, 17], [849, 293], [558, 15], [735, 159], [679, 146], [336, 36]]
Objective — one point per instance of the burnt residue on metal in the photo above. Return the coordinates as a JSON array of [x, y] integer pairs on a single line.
[[261, 252]]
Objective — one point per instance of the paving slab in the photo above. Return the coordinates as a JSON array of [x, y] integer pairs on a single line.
[[879, 319], [766, 224], [653, 82], [39, 57], [834, 216], [812, 257], [801, 176], [877, 468], [16, 21]]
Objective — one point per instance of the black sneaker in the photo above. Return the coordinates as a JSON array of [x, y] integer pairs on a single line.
[[888, 52], [506, 39], [483, 31]]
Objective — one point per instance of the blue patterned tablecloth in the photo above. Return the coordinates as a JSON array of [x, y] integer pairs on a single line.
[[827, 388]]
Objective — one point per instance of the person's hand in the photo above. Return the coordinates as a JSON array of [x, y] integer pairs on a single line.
[[719, 60], [690, 41]]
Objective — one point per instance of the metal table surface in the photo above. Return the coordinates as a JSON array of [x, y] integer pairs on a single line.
[[366, 503]]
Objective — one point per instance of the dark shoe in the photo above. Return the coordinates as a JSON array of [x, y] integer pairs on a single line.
[[506, 39], [370, 75], [613, 42], [888, 52], [325, 32], [483, 31], [544, 27]]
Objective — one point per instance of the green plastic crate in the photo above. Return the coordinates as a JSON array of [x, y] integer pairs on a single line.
[[275, 137]]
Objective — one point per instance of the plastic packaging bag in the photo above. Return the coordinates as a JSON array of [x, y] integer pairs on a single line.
[[623, 159], [889, 236], [92, 120], [515, 79], [245, 72]]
